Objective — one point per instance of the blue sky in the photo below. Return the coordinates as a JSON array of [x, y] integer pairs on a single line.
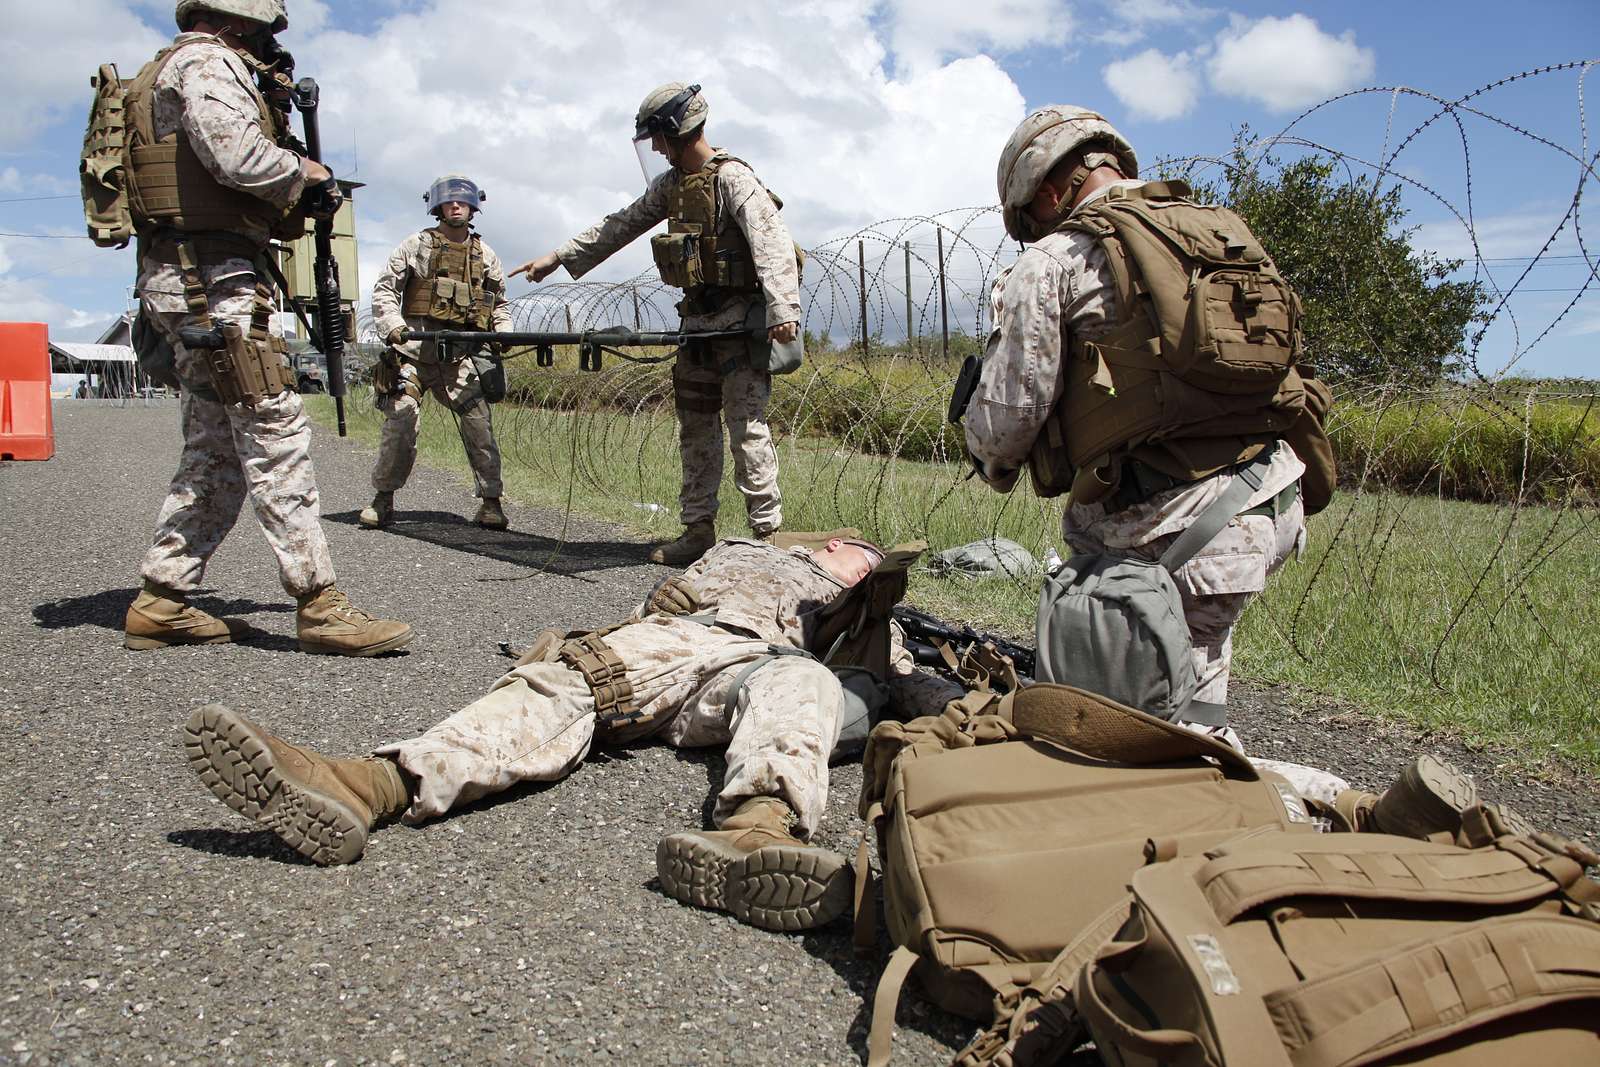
[[854, 111]]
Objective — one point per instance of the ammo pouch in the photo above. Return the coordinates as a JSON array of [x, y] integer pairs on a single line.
[[618, 719], [677, 255]]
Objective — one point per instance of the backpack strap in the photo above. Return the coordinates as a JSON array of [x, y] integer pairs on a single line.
[[1449, 984], [1220, 512], [884, 1002]]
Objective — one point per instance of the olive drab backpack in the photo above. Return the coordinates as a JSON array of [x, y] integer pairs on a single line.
[[103, 165], [1006, 834], [1199, 370]]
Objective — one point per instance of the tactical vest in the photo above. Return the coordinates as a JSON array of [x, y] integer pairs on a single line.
[[455, 288], [694, 254], [1198, 373], [167, 185]]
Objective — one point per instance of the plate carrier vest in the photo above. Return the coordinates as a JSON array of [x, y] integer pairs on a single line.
[[1198, 373], [455, 288], [694, 255], [167, 185]]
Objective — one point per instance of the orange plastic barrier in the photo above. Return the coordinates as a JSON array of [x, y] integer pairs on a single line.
[[26, 431]]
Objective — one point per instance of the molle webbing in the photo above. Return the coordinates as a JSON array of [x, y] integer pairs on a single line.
[[698, 253], [454, 288], [168, 184], [1198, 370], [617, 716]]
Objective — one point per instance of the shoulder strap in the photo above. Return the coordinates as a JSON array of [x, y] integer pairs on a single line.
[[884, 1002], [1220, 513], [1452, 983]]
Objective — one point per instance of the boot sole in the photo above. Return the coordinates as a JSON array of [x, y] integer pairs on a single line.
[[318, 648], [231, 758], [778, 888], [146, 644], [380, 524], [1442, 792]]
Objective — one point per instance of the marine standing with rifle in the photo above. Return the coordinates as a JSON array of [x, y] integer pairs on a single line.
[[727, 247], [215, 174], [443, 278]]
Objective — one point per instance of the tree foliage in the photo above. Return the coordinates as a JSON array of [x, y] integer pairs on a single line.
[[1375, 306]]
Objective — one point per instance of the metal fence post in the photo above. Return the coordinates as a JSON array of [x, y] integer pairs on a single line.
[[861, 274], [636, 323], [911, 333], [944, 307]]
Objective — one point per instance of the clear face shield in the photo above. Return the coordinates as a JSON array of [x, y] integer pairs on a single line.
[[651, 133], [651, 162]]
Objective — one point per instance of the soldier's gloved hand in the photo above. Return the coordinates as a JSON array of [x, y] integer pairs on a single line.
[[398, 335], [673, 597]]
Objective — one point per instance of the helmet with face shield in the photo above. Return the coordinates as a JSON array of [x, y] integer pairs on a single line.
[[673, 110]]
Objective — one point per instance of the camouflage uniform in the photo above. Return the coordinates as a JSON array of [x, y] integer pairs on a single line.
[[723, 365], [1063, 284], [454, 384], [262, 450], [537, 722]]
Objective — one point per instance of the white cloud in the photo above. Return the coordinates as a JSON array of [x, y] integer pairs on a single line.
[[1286, 63], [1511, 235], [47, 56], [924, 32], [536, 100], [537, 105], [1154, 85]]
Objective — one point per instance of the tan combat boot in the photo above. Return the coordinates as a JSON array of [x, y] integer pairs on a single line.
[[1428, 798], [756, 869], [690, 545], [321, 807], [159, 617], [490, 515], [332, 626], [378, 513]]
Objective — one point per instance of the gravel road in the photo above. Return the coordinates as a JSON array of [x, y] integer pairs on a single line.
[[142, 921]]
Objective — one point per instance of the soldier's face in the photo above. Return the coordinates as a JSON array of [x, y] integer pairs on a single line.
[[848, 563], [455, 213]]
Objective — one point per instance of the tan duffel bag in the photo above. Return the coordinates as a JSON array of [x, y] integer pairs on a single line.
[[1003, 837], [1339, 950]]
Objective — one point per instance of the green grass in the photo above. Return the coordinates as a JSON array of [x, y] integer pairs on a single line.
[[1457, 616]]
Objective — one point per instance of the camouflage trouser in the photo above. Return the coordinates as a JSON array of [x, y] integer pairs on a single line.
[[1216, 584], [709, 388], [231, 451], [537, 722], [455, 385]]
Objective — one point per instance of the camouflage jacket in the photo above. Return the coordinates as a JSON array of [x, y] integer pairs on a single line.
[[412, 257], [747, 204], [769, 591]]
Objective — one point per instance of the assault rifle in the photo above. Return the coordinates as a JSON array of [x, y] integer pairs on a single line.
[[926, 634], [329, 335]]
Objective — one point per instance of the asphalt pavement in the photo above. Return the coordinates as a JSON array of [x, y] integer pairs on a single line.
[[141, 921]]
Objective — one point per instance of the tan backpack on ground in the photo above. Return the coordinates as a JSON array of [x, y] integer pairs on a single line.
[[1003, 837], [1339, 950]]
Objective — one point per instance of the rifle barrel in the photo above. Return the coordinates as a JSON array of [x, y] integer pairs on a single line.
[[616, 338]]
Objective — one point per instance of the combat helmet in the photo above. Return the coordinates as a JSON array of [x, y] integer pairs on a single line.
[[1043, 139], [673, 110], [453, 188], [271, 12]]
